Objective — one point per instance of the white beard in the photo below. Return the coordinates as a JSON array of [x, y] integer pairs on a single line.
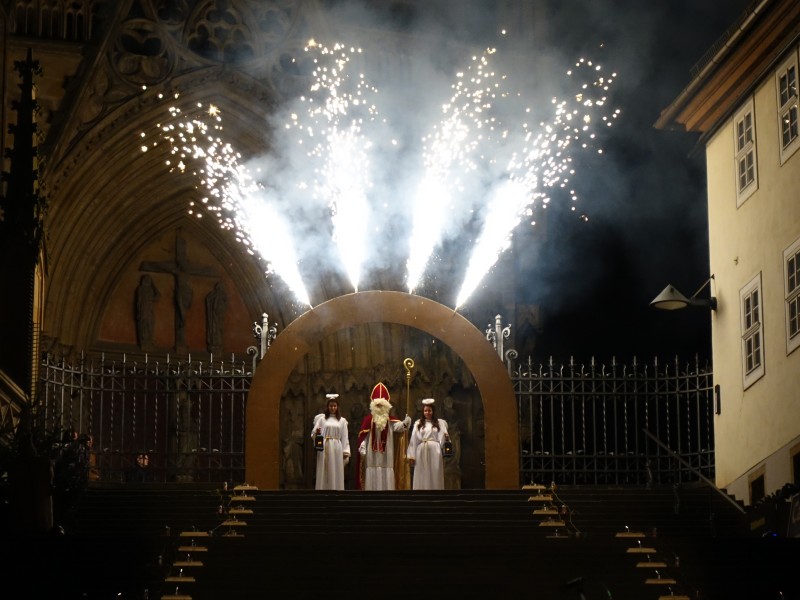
[[380, 414]]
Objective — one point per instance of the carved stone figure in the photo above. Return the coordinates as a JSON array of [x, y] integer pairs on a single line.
[[357, 412], [146, 296], [184, 437], [181, 269], [183, 301], [216, 305], [292, 440], [292, 461], [452, 464]]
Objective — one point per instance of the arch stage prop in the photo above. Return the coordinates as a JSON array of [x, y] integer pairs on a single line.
[[501, 442]]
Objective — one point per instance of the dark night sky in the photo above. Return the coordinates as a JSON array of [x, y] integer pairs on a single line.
[[646, 198]]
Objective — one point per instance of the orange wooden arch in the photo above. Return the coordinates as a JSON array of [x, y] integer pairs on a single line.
[[501, 444]]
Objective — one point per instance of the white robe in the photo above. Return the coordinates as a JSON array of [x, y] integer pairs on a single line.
[[379, 469], [425, 448], [330, 462]]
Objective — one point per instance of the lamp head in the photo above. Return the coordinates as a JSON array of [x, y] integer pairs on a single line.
[[671, 299]]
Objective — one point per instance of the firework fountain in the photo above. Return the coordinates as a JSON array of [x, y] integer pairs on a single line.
[[485, 166]]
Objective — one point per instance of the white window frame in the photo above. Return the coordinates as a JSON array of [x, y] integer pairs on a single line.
[[786, 87], [746, 160], [791, 286], [752, 321]]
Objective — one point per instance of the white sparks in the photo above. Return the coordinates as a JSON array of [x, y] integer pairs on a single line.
[[487, 166]]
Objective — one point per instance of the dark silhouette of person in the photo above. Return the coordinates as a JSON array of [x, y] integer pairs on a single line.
[[71, 477], [30, 484], [140, 472]]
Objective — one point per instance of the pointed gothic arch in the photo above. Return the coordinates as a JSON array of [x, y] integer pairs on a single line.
[[501, 445]]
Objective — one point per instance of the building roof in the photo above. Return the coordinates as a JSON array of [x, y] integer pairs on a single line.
[[734, 66]]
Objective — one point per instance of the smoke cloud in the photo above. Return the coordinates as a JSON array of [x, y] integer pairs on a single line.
[[416, 168], [423, 142]]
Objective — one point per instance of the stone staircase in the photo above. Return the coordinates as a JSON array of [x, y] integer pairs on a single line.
[[200, 542]]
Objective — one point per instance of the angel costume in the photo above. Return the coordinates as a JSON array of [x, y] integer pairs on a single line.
[[425, 448], [330, 462]]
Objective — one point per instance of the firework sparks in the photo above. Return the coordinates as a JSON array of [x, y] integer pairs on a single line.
[[484, 166], [235, 198], [485, 142], [542, 161], [337, 109], [448, 155]]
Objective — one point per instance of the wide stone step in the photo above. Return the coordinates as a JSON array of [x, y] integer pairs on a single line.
[[463, 542], [602, 510], [403, 563]]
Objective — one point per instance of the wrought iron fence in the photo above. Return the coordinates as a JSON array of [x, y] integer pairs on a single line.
[[578, 424], [586, 424], [188, 417]]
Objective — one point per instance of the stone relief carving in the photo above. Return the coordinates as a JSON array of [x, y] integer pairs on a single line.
[[163, 39], [54, 19], [221, 32], [141, 55], [175, 36], [147, 295], [216, 306]]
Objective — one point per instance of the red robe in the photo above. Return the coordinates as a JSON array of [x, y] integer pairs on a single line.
[[378, 443]]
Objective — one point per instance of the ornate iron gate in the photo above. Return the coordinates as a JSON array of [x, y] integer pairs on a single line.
[[188, 417], [578, 424], [590, 425]]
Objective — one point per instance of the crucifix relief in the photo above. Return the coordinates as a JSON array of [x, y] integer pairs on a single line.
[[182, 270]]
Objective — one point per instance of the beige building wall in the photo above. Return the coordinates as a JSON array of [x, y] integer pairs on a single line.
[[757, 427]]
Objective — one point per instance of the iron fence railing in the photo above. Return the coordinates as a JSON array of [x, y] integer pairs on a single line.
[[187, 416], [578, 424], [586, 424]]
